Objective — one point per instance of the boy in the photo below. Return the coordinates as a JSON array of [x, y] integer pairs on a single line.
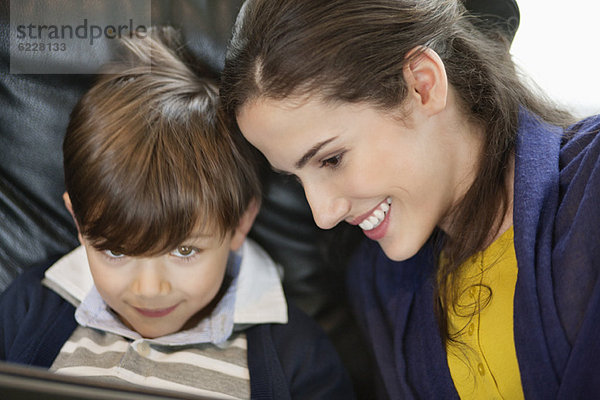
[[165, 290]]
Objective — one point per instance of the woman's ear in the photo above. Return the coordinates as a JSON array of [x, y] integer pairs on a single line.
[[69, 207], [425, 76], [241, 231]]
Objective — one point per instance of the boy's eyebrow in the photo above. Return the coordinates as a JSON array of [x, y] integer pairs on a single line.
[[311, 153]]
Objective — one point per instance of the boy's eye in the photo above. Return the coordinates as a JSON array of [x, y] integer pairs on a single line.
[[184, 251], [114, 254]]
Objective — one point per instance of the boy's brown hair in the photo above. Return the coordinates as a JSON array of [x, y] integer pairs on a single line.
[[148, 159]]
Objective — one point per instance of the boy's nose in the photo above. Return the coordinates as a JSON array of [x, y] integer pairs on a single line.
[[150, 280]]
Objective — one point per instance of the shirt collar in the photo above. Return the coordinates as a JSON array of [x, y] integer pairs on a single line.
[[255, 296]]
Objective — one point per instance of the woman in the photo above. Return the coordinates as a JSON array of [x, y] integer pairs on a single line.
[[479, 197]]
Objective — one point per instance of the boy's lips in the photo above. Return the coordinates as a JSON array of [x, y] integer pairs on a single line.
[[156, 312]]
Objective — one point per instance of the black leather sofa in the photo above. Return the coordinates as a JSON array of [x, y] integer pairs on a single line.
[[35, 227]]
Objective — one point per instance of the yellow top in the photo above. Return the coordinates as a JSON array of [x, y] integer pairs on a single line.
[[485, 365]]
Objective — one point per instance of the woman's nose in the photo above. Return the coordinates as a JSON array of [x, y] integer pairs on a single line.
[[328, 205], [151, 279]]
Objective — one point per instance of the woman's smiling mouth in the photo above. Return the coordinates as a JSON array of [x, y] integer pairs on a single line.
[[374, 219], [375, 223]]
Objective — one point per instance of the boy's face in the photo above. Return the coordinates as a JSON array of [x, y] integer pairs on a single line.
[[157, 296]]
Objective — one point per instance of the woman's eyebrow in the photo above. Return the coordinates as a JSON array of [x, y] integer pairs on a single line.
[[311, 153]]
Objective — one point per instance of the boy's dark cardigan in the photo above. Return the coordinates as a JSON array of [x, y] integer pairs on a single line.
[[286, 361]]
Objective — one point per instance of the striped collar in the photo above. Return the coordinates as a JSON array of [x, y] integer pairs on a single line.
[[255, 296]]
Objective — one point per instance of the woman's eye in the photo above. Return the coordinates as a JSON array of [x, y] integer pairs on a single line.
[[114, 254], [332, 161], [184, 251]]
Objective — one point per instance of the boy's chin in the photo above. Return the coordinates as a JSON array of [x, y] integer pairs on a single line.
[[154, 332], [150, 330]]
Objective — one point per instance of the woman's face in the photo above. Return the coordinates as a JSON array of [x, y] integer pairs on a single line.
[[396, 180]]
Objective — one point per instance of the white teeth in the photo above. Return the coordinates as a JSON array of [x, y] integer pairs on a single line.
[[366, 225], [373, 220]]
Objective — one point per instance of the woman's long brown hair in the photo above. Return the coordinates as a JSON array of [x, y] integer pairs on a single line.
[[354, 51]]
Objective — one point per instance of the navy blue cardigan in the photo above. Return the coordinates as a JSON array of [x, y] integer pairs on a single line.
[[557, 295], [286, 361]]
